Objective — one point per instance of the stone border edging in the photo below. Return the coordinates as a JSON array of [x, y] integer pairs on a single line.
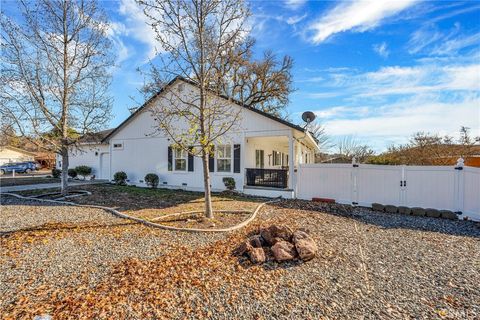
[[148, 223]]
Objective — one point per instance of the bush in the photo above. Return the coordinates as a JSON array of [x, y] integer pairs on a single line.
[[229, 183], [83, 171], [56, 173], [120, 178], [151, 179], [72, 173]]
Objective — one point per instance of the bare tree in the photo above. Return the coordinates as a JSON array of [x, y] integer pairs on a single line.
[[431, 149], [55, 72], [264, 84], [319, 132], [194, 36], [350, 148]]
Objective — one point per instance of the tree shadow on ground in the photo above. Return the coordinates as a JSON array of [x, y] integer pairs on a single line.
[[129, 198], [65, 227], [387, 220]]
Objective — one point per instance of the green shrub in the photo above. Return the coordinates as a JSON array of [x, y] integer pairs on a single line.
[[120, 178], [229, 183], [72, 173], [151, 179], [56, 173], [83, 171]]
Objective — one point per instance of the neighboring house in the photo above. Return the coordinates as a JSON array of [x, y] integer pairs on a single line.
[[262, 157], [13, 154]]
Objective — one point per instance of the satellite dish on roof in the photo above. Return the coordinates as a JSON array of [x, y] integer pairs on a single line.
[[308, 116]]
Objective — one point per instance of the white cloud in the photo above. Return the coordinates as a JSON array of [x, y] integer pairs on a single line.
[[431, 41], [420, 79], [395, 123], [452, 46], [422, 38], [340, 112], [295, 19], [358, 16], [323, 95], [381, 49], [294, 4], [135, 26], [390, 104]]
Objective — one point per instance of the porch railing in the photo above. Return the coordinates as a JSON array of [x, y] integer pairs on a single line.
[[273, 178]]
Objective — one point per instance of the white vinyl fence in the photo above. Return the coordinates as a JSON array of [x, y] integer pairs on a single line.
[[440, 187]]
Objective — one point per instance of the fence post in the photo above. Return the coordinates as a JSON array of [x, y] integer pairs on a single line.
[[459, 186], [354, 182]]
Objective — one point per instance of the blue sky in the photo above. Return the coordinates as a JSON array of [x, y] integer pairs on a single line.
[[379, 70]]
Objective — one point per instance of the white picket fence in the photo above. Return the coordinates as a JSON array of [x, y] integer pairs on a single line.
[[440, 187]]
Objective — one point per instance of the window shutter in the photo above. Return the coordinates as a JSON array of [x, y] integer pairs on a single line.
[[170, 158], [190, 161], [236, 158], [211, 160]]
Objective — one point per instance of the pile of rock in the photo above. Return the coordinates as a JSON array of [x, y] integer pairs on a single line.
[[280, 243]]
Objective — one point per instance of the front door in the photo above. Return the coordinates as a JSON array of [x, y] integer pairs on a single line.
[[104, 166]]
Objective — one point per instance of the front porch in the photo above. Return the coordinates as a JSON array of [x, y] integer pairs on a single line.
[[271, 162]]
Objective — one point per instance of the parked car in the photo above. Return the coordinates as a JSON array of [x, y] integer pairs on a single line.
[[34, 165], [20, 167]]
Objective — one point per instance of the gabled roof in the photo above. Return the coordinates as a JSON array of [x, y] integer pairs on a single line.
[[96, 137], [139, 110]]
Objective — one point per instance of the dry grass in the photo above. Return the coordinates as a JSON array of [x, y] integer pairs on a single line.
[[370, 265]]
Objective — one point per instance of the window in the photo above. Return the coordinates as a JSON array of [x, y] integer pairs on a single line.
[[259, 159], [180, 160], [118, 145], [224, 158], [277, 158]]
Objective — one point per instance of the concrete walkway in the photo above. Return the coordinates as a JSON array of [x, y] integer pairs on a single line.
[[48, 185]]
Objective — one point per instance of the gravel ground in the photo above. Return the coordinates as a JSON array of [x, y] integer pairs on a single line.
[[85, 263]]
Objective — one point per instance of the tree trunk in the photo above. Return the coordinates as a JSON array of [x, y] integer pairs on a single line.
[[64, 176], [206, 181]]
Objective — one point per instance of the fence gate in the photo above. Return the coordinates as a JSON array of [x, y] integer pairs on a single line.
[[440, 187]]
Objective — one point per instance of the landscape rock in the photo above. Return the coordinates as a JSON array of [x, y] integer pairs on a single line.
[[243, 248], [391, 209], [284, 251], [434, 213], [269, 234], [447, 214], [378, 207], [416, 211], [306, 249], [257, 255], [300, 235], [404, 210], [257, 241]]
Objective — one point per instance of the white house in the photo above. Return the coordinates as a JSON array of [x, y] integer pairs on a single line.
[[12, 154], [262, 156], [92, 152]]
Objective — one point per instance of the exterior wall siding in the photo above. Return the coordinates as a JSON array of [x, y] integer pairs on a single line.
[[149, 155], [87, 155]]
